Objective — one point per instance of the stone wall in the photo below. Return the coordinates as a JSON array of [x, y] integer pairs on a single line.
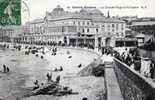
[[88, 69], [133, 85]]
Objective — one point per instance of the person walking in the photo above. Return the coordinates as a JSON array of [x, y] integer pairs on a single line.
[[58, 79], [49, 76], [36, 85], [4, 68], [152, 69], [7, 69], [61, 69]]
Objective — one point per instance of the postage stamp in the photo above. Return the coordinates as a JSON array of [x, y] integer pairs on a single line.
[[10, 12]]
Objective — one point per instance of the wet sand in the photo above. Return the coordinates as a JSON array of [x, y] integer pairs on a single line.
[[24, 70]]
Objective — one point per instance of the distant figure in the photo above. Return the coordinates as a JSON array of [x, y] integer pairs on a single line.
[[36, 83], [70, 57], [49, 76], [41, 57], [80, 65], [4, 68], [58, 79], [42, 85], [61, 69], [55, 69], [84, 98], [152, 69], [7, 69]]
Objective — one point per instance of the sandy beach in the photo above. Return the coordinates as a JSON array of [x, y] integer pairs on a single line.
[[25, 69]]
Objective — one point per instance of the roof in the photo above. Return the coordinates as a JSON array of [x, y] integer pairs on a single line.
[[71, 15], [95, 15], [104, 19], [140, 35], [91, 11], [58, 8], [37, 21]]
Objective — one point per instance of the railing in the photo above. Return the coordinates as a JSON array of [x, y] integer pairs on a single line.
[[133, 85]]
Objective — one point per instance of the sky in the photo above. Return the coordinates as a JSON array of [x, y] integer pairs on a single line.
[[142, 8]]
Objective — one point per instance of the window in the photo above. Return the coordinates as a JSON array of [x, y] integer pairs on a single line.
[[122, 26], [116, 26], [83, 23], [87, 23], [83, 30], [117, 34], [74, 22], [97, 30], [88, 30], [122, 34], [113, 25], [78, 23], [62, 29], [92, 24]]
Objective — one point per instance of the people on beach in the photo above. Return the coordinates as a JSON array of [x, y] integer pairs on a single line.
[[49, 76], [55, 69], [7, 69], [58, 69], [84, 98], [36, 85], [4, 68], [144, 65], [61, 69], [58, 79], [80, 65]]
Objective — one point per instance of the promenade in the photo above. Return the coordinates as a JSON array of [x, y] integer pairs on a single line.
[[120, 81]]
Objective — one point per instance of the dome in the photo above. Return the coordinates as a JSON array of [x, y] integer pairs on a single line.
[[58, 8], [92, 12], [96, 11]]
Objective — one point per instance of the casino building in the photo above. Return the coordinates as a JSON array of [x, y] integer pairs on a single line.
[[85, 27]]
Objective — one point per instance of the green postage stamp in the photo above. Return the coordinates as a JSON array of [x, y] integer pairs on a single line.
[[10, 12]]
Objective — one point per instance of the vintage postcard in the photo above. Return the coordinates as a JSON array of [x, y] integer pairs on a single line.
[[77, 50]]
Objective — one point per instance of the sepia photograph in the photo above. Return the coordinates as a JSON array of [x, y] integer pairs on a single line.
[[77, 50]]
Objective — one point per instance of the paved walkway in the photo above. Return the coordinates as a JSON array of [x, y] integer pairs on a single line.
[[113, 89]]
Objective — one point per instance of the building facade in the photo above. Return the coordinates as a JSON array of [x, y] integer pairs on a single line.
[[85, 27], [9, 33], [144, 25]]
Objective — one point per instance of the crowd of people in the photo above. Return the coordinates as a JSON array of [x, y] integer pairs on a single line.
[[5, 69], [132, 58], [49, 80]]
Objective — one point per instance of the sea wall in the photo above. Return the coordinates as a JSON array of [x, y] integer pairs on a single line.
[[133, 85], [89, 68]]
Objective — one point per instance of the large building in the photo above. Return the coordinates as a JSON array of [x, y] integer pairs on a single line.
[[85, 27], [8, 33], [144, 25]]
